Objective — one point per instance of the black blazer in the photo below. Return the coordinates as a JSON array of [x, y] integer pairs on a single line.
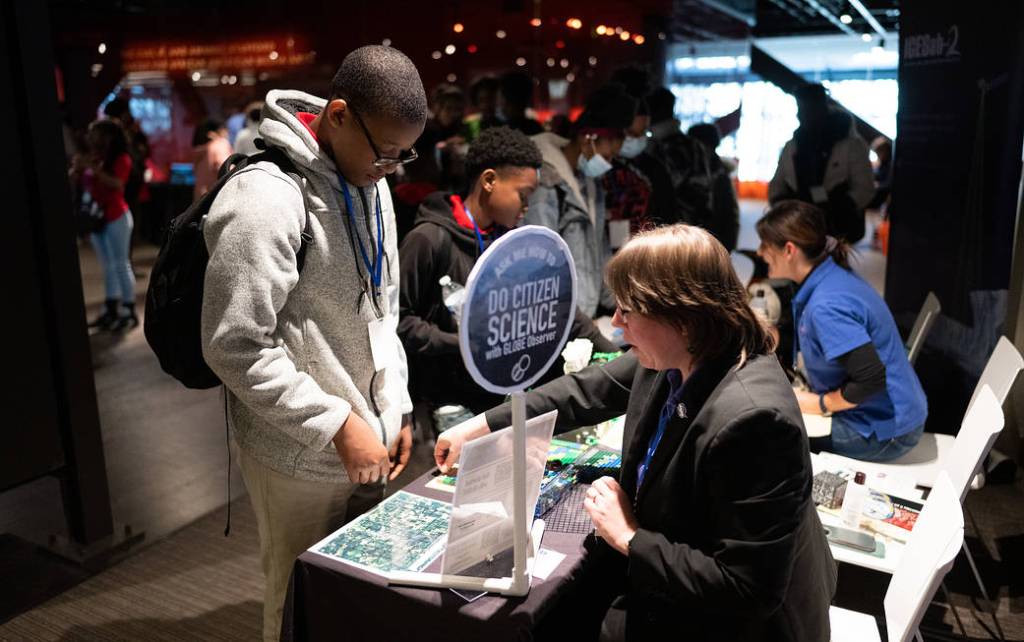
[[729, 545]]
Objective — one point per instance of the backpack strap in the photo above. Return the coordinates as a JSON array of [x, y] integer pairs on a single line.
[[277, 156]]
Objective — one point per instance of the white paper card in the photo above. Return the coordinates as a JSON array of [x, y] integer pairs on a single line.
[[818, 194], [480, 532], [547, 561], [618, 233], [383, 343]]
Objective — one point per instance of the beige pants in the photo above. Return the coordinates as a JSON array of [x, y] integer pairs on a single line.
[[292, 515]]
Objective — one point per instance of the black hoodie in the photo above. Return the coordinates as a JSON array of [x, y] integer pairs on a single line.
[[439, 245]]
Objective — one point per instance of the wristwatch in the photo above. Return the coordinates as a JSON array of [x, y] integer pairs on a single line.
[[821, 404]]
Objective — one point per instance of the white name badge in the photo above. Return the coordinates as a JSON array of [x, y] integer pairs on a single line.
[[618, 233], [383, 343], [818, 194]]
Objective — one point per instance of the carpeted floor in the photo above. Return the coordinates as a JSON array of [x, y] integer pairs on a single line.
[[195, 585]]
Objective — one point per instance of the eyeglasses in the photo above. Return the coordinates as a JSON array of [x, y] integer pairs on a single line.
[[406, 156]]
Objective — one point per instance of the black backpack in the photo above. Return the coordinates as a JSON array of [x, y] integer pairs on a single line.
[[174, 300]]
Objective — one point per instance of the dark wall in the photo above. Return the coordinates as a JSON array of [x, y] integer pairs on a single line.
[[51, 424], [957, 171]]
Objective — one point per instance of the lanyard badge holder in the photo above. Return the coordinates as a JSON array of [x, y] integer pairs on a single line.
[[374, 267], [476, 229]]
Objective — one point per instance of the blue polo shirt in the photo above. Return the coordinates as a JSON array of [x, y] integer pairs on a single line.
[[836, 311]]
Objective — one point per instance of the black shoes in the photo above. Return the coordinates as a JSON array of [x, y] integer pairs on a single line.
[[109, 317], [123, 324], [116, 318]]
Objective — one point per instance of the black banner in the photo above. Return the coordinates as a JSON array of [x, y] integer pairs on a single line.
[[957, 171]]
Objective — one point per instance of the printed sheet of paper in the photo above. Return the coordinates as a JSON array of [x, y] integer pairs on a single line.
[[405, 532], [480, 534]]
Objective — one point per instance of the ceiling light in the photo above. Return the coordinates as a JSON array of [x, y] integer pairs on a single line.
[[520, 62], [500, 34], [458, 27], [845, 19]]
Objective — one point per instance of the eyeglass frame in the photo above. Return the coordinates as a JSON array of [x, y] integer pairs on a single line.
[[382, 161]]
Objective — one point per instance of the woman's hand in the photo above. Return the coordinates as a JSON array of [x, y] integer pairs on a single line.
[[449, 443], [612, 513]]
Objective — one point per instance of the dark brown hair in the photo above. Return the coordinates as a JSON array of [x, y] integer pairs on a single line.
[[803, 225], [683, 276]]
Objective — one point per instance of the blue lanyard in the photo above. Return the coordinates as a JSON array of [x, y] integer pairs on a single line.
[[374, 268], [666, 415], [476, 228]]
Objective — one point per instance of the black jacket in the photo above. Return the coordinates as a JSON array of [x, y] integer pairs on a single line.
[[730, 546], [439, 246]]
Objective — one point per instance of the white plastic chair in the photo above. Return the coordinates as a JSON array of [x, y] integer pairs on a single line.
[[933, 545], [922, 326], [979, 430], [932, 452]]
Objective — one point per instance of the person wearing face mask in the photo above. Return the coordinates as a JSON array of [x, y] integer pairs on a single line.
[[450, 233], [570, 199], [638, 188]]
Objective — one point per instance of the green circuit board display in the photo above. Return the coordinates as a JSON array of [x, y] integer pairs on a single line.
[[405, 532]]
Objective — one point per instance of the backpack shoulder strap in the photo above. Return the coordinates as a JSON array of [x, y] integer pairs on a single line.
[[277, 156]]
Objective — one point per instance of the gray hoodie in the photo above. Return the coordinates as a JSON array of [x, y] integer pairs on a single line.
[[574, 207], [294, 351]]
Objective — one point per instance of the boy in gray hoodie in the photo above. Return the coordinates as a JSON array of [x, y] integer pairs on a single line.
[[315, 374]]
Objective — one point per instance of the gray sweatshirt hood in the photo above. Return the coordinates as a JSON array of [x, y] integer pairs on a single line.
[[281, 127]]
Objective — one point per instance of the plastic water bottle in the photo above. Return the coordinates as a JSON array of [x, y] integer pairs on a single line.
[[760, 306], [853, 501], [453, 294]]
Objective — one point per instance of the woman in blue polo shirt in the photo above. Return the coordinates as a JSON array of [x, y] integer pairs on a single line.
[[856, 364]]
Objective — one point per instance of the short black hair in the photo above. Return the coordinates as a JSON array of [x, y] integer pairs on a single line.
[[662, 104], [811, 94], [487, 83], [500, 147], [447, 93], [517, 88], [117, 108], [609, 107], [201, 135], [706, 133], [382, 81]]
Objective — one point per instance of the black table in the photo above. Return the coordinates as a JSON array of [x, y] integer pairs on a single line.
[[330, 600]]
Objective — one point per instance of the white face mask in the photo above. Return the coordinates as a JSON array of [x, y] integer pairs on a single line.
[[633, 146], [594, 167]]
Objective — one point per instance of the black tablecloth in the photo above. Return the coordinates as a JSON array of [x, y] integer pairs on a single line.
[[330, 600]]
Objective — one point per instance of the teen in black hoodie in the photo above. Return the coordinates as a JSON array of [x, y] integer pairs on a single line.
[[449, 234]]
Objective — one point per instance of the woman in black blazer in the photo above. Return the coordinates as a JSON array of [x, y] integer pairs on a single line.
[[710, 533]]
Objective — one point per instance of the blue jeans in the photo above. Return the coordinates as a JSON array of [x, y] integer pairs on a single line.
[[848, 442], [112, 245]]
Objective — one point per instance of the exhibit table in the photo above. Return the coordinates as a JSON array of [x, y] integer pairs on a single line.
[[331, 600]]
